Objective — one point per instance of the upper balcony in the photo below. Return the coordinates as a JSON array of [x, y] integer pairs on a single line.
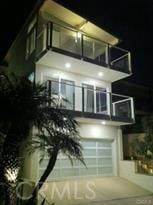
[[57, 45]]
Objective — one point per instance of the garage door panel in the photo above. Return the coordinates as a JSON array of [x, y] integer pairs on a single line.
[[104, 152], [97, 156], [105, 162], [89, 152], [105, 171], [90, 162], [88, 143]]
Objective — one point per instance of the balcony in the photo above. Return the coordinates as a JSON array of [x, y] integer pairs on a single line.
[[88, 55], [92, 103]]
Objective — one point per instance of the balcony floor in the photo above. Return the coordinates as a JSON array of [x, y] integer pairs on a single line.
[[94, 118]]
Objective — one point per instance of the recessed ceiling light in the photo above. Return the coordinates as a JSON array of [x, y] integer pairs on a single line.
[[67, 65], [64, 118], [100, 74], [103, 123]]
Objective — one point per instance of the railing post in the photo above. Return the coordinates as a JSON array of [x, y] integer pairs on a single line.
[[82, 46], [129, 62], [110, 105], [49, 35], [82, 99], [132, 108], [107, 58]]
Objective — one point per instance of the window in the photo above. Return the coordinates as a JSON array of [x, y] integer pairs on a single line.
[[31, 39], [64, 89], [101, 100], [88, 98], [94, 99]]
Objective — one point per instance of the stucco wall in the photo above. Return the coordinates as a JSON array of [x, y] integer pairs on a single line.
[[128, 171]]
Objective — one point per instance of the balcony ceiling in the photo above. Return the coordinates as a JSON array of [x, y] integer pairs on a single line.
[[56, 60], [78, 22]]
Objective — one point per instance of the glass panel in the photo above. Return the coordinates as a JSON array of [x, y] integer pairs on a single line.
[[94, 49], [105, 170], [119, 59], [90, 162], [88, 171], [54, 83], [105, 162], [65, 163], [101, 100], [121, 106], [69, 172], [88, 98], [89, 152], [68, 94], [55, 173], [104, 144], [33, 40], [104, 152], [88, 143], [66, 39]]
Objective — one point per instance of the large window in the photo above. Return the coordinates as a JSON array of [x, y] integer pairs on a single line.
[[31, 39]]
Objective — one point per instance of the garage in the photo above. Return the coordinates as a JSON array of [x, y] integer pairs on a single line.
[[97, 156]]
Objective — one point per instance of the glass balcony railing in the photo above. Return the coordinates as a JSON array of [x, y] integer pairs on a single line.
[[76, 44], [86, 99]]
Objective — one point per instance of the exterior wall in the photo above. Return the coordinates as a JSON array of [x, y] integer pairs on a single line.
[[44, 71], [128, 171], [16, 57]]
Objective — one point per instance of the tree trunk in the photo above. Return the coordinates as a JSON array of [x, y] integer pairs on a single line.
[[43, 178]]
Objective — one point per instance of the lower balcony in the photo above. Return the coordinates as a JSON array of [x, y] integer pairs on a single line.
[[90, 105]]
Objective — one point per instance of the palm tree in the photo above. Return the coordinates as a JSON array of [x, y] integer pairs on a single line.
[[20, 108], [23, 105], [60, 135]]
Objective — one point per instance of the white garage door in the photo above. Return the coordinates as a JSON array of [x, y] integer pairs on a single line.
[[97, 156]]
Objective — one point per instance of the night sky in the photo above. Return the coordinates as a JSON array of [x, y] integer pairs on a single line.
[[130, 20]]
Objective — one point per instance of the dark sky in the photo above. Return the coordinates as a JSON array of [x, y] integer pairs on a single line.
[[131, 20]]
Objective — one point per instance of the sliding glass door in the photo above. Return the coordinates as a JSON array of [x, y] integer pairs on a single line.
[[68, 94], [94, 99], [88, 96], [101, 100]]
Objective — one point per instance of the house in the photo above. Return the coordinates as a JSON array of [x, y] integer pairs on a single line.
[[79, 61]]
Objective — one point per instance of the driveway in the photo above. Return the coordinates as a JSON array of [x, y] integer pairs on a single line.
[[96, 191]]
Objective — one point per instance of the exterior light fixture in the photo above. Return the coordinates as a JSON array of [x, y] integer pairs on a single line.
[[79, 35], [103, 123], [67, 65], [100, 74], [64, 118]]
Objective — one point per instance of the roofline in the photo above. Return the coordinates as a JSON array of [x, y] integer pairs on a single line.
[[33, 12], [102, 27]]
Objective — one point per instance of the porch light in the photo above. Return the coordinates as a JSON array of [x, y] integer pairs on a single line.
[[103, 123], [67, 65]]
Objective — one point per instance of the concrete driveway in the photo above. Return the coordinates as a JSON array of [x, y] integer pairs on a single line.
[[96, 191]]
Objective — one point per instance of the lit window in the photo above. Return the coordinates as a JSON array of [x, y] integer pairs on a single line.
[[31, 39]]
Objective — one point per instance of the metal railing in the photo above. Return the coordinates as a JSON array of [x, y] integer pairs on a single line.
[[79, 45], [87, 99]]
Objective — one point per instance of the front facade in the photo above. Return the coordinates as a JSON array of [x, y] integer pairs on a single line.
[[79, 61]]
